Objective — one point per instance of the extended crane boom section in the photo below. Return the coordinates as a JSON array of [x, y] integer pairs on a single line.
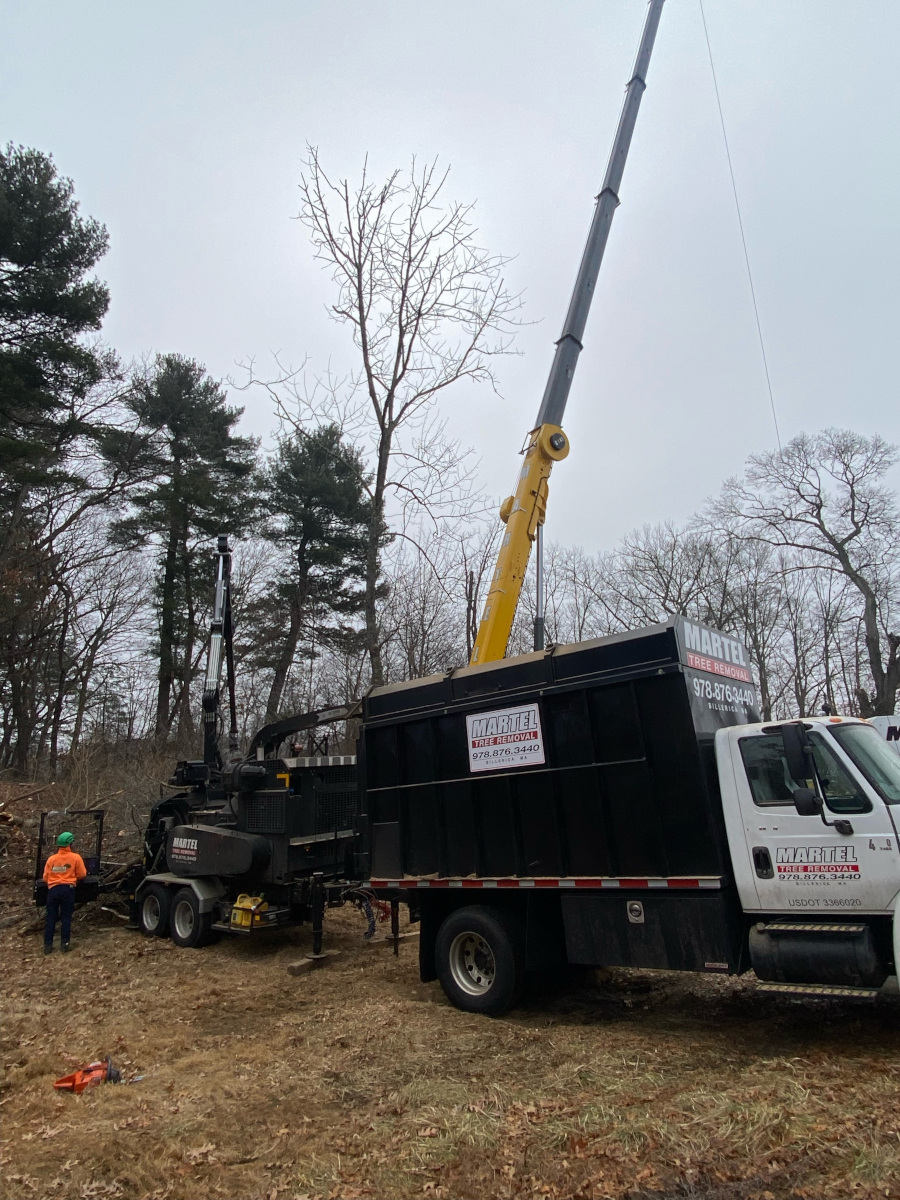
[[525, 510]]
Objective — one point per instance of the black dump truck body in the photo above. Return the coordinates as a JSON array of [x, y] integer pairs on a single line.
[[588, 761], [576, 786]]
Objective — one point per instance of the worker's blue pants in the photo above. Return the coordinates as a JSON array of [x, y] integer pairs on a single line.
[[60, 906]]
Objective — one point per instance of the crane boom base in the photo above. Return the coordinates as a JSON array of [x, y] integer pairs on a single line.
[[522, 513]]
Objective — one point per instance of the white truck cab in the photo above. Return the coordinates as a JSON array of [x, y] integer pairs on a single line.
[[819, 848]]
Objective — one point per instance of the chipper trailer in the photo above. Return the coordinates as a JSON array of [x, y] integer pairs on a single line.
[[615, 802]]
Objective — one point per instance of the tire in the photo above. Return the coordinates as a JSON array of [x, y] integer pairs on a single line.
[[155, 911], [188, 926], [479, 960]]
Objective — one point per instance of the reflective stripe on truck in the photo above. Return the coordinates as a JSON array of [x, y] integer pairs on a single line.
[[603, 882]]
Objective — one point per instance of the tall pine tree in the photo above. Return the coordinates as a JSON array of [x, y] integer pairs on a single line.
[[315, 494], [53, 428], [47, 304], [203, 485]]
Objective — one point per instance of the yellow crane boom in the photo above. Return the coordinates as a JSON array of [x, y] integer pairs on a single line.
[[521, 513], [525, 510]]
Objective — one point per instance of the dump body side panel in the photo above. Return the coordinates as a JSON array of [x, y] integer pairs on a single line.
[[592, 760]]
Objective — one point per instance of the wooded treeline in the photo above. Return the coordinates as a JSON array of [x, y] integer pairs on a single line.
[[362, 547]]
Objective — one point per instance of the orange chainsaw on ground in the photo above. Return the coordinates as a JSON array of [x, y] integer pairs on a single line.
[[85, 1077]]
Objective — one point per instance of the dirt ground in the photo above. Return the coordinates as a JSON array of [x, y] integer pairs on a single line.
[[358, 1080]]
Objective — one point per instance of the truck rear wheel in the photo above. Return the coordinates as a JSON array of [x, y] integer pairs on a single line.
[[155, 910], [479, 960], [189, 926]]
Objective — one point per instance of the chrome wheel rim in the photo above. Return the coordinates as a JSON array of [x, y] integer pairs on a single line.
[[472, 964], [184, 919]]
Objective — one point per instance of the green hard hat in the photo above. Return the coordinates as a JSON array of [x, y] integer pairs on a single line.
[[65, 839]]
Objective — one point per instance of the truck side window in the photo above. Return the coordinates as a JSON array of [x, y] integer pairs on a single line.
[[767, 770], [771, 784]]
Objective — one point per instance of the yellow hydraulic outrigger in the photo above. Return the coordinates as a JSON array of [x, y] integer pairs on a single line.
[[525, 510]]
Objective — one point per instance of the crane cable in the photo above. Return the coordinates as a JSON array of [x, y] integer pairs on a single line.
[[737, 205]]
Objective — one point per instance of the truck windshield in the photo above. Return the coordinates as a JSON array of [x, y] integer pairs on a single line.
[[873, 756]]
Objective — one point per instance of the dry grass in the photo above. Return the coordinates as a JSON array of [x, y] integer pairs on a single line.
[[360, 1081]]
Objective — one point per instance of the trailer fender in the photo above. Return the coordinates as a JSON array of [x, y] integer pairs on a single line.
[[207, 890]]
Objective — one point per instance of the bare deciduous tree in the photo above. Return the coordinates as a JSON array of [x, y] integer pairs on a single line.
[[427, 307], [824, 496]]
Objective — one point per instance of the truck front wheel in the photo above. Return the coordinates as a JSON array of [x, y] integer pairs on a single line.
[[155, 909], [479, 960], [190, 927]]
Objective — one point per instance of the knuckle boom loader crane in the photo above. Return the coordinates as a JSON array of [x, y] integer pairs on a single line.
[[614, 802]]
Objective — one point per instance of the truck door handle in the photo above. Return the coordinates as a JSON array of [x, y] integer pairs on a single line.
[[762, 861]]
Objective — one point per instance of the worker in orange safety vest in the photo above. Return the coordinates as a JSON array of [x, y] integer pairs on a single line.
[[61, 873]]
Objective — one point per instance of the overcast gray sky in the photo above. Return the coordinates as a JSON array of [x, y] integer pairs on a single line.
[[184, 124]]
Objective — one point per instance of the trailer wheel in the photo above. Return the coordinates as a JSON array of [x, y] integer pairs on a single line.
[[155, 911], [479, 960], [189, 926]]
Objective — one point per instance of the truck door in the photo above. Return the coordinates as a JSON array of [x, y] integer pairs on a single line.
[[798, 863]]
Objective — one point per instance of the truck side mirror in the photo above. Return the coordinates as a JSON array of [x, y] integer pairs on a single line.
[[796, 742], [807, 802]]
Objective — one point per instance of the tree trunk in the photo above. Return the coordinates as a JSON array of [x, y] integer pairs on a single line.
[[285, 659], [757, 649], [373, 562], [885, 676], [59, 699], [25, 724], [5, 744], [471, 596], [85, 674]]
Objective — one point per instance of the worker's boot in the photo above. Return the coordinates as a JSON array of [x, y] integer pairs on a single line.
[[64, 946], [48, 949]]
